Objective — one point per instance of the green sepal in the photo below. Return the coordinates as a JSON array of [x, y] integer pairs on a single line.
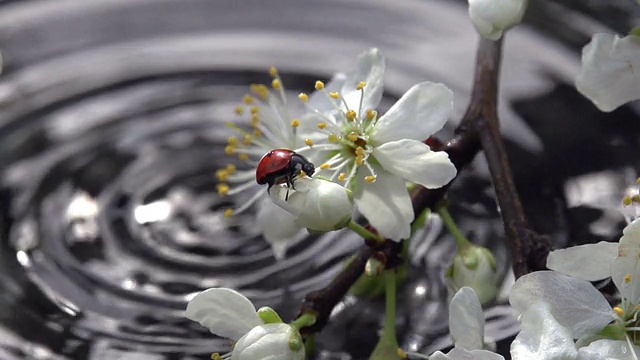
[[269, 316], [295, 341]]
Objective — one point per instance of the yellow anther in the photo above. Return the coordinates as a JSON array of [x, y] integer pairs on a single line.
[[276, 84], [342, 176], [229, 150], [618, 310], [309, 142], [228, 213], [255, 120], [302, 173], [371, 114], [351, 115], [243, 157], [295, 123], [334, 95], [635, 198], [319, 85], [248, 99], [361, 85], [239, 109], [353, 136], [230, 168], [333, 138], [273, 71], [359, 160], [261, 90], [638, 181], [304, 97], [322, 125], [248, 139], [626, 200], [255, 110], [359, 150], [401, 354], [627, 278], [325, 166], [233, 140], [222, 174], [370, 179], [257, 132], [223, 189]]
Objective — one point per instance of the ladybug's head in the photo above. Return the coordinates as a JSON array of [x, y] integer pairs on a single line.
[[308, 168]]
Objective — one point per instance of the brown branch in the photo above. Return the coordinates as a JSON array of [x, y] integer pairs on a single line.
[[478, 129]]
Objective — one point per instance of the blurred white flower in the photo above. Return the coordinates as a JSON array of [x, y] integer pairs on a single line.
[[610, 72], [229, 314], [580, 310], [492, 17], [466, 324], [271, 127], [317, 204], [475, 267], [375, 155]]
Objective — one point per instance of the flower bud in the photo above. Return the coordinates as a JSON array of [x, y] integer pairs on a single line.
[[475, 267], [269, 341], [318, 205], [492, 17]]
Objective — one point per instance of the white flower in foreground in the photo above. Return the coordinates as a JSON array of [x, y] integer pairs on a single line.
[[229, 314], [542, 337], [475, 267], [466, 324], [492, 17], [375, 155], [318, 205], [271, 127], [610, 74]]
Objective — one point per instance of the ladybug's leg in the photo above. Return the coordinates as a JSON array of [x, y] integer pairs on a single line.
[[289, 186]]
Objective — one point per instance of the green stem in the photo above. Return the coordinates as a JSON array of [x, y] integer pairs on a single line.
[[461, 240], [389, 330], [362, 231], [306, 319]]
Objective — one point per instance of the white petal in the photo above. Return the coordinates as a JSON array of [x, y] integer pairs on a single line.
[[541, 337], [466, 319], [607, 350], [318, 205], [421, 111], [414, 161], [575, 303], [320, 101], [386, 204], [587, 262], [226, 312], [625, 268], [370, 69], [491, 17], [267, 342], [609, 75], [458, 353], [278, 227]]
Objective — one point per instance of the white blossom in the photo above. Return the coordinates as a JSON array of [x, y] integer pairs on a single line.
[[318, 205], [492, 17], [375, 155], [271, 127], [610, 72], [229, 314]]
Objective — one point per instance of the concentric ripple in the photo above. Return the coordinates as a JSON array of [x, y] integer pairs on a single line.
[[112, 121]]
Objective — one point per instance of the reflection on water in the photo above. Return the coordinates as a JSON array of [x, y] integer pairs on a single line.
[[112, 127]]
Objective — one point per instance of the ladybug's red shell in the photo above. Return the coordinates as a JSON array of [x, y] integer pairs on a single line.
[[273, 164]]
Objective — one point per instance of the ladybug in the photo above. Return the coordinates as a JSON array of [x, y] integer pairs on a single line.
[[282, 166]]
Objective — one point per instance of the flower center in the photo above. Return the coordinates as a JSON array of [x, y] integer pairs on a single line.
[[347, 131]]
